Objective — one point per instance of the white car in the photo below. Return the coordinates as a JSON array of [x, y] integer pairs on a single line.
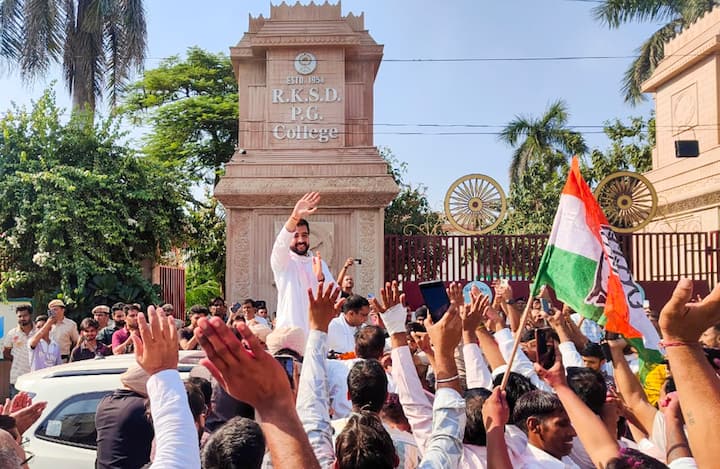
[[64, 435]]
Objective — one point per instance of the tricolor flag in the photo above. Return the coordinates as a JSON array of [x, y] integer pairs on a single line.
[[584, 265]]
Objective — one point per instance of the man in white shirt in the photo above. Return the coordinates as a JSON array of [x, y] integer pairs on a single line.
[[541, 416], [15, 347], [295, 268], [44, 350], [341, 333]]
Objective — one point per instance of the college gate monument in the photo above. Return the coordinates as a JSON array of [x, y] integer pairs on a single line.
[[305, 84]]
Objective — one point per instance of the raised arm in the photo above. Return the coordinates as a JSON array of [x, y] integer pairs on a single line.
[[445, 446], [476, 369], [280, 255], [496, 413], [35, 339], [698, 386], [416, 405], [630, 388], [600, 445], [250, 374], [341, 275], [176, 444], [313, 401]]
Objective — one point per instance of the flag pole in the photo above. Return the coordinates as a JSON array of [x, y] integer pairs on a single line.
[[518, 336]]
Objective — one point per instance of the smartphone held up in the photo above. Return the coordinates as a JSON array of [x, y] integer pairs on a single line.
[[435, 297]]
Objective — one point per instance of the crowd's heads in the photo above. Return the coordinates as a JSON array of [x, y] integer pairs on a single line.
[[474, 426], [301, 238], [261, 331], [196, 312], [9, 424], [356, 309], [393, 414], [711, 337], [286, 340], [348, 283], [198, 406], [631, 459], [118, 313], [367, 385], [40, 321], [248, 309], [101, 313], [542, 417], [364, 443], [517, 386], [217, 307], [370, 342], [589, 385], [421, 313], [593, 356], [239, 444], [131, 316], [135, 379]]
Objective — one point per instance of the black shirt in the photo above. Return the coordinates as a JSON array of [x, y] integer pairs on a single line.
[[124, 433]]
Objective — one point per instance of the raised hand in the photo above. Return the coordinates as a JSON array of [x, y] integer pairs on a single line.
[[391, 296], [683, 321], [555, 376], [242, 367], [349, 262], [322, 306], [317, 267], [307, 205], [446, 333], [158, 349], [495, 410], [392, 308], [473, 314]]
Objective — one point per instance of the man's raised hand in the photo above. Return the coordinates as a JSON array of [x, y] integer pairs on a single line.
[[322, 306], [683, 321], [307, 205], [242, 367], [158, 349], [392, 308]]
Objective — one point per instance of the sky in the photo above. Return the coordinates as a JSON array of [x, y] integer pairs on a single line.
[[468, 94]]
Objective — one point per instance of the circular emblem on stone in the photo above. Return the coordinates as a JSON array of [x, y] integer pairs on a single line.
[[305, 63]]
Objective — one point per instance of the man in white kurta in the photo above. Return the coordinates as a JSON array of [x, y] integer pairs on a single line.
[[295, 267]]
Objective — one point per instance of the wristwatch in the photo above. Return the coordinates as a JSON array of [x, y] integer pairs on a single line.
[[509, 302]]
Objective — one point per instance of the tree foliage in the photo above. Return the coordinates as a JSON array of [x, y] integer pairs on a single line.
[[76, 203], [533, 201], [409, 212], [545, 139], [98, 42], [192, 107], [673, 15]]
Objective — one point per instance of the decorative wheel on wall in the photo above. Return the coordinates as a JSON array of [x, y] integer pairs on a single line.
[[475, 204], [628, 199]]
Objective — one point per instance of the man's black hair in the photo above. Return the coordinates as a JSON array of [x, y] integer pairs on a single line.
[[303, 222], [205, 387], [89, 322], [120, 306], [24, 307], [669, 385], [249, 301], [365, 444], [414, 327], [517, 385], [593, 350], [367, 385], [538, 404], [199, 309], [196, 400], [355, 303], [475, 428], [370, 342], [239, 444], [589, 385], [421, 312]]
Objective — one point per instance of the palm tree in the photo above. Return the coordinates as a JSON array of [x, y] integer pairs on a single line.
[[541, 140], [98, 42], [675, 14]]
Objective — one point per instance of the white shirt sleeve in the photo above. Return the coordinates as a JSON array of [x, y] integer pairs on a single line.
[[521, 364], [570, 355], [280, 255], [176, 439], [683, 463], [418, 409], [477, 373]]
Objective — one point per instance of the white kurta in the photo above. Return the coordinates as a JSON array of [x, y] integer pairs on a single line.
[[293, 276]]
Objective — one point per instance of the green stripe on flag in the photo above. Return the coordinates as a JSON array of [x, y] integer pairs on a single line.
[[572, 277]]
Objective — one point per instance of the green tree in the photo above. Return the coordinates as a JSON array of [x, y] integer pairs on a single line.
[[409, 212], [546, 139], [192, 107], [206, 244], [76, 203], [674, 15], [98, 42], [630, 149]]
